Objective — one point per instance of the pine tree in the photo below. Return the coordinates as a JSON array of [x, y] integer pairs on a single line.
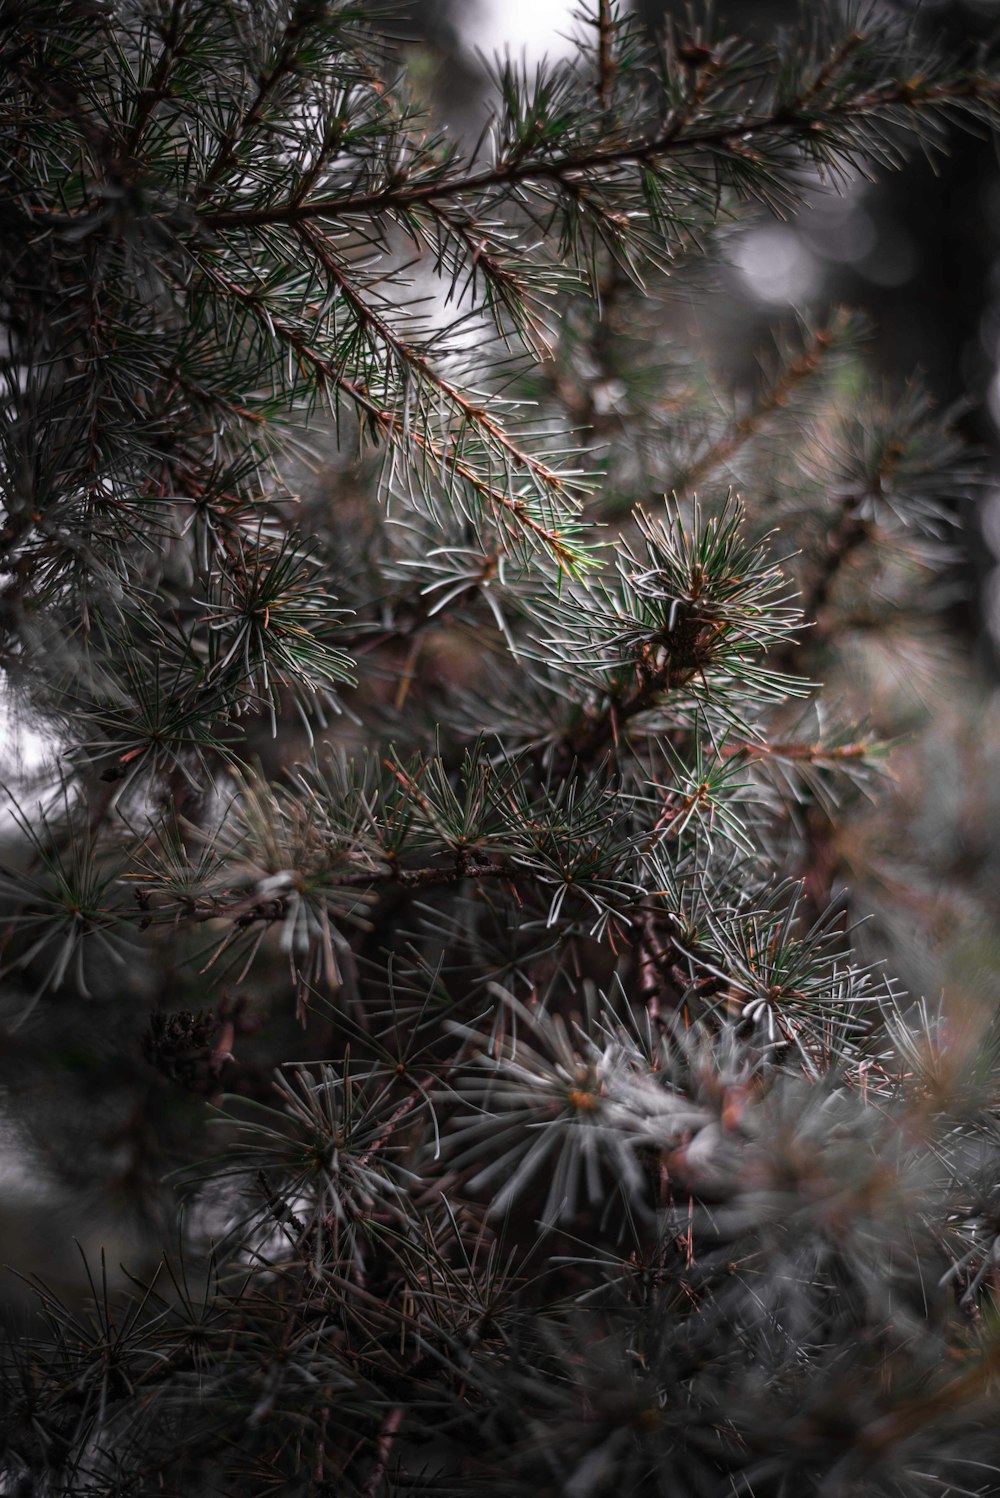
[[425, 926]]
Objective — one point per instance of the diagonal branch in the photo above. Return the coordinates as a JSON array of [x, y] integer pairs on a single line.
[[393, 426], [381, 329]]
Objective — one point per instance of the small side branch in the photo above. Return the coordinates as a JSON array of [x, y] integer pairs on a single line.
[[606, 67], [775, 399]]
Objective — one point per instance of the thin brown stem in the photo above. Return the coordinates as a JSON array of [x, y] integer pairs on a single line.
[[807, 753], [267, 81], [831, 67], [651, 683], [846, 538], [247, 910], [158, 88], [721, 452], [390, 1429], [606, 66]]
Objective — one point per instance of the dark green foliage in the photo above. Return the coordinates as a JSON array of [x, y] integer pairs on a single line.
[[428, 895]]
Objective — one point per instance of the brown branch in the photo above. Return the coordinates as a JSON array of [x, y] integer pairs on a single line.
[[845, 539], [385, 1133], [852, 531], [249, 909], [810, 753], [266, 83], [686, 653], [835, 61]]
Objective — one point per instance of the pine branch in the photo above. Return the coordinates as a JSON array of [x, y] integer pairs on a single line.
[[174, 30], [388, 1431], [246, 912], [264, 86], [620, 1163], [476, 417], [513, 510], [786, 124], [848, 536], [810, 753]]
